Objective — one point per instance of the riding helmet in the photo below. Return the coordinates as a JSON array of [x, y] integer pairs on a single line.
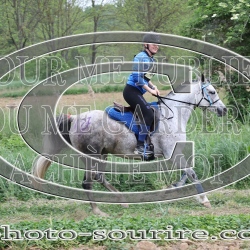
[[151, 38]]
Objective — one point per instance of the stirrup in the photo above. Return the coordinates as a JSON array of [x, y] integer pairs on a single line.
[[146, 151]]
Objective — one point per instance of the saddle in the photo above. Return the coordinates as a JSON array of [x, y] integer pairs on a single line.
[[125, 114], [122, 108]]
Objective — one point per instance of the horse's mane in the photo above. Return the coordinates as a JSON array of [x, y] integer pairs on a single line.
[[172, 93]]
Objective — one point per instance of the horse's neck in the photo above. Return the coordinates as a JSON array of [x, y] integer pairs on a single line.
[[182, 102]]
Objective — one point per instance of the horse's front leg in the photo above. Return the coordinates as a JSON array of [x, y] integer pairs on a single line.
[[191, 175]]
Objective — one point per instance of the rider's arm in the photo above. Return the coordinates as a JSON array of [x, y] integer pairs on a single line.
[[154, 87], [142, 63], [151, 85], [151, 91], [138, 73]]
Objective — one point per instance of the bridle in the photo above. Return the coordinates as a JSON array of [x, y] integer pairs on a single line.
[[205, 96]]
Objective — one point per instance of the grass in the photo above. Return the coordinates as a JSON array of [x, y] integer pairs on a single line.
[[15, 210], [59, 214]]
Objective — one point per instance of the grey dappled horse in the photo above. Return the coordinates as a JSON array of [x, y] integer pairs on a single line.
[[103, 142]]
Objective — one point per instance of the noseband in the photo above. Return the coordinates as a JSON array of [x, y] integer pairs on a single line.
[[206, 96]]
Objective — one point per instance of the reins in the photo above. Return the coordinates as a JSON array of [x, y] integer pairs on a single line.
[[204, 91]]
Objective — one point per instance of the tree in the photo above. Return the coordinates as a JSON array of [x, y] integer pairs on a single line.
[[97, 12], [226, 24], [20, 18], [223, 23], [61, 18], [147, 15]]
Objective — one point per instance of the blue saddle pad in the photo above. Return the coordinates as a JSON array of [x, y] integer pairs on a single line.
[[127, 117]]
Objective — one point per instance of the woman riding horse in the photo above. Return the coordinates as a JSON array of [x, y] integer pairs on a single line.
[[139, 82]]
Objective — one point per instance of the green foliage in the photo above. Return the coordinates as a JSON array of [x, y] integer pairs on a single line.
[[223, 23], [161, 16], [238, 96], [45, 67], [213, 136], [13, 142], [135, 183], [3, 196]]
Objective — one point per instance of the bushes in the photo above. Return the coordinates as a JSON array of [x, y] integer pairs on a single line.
[[238, 96], [230, 139]]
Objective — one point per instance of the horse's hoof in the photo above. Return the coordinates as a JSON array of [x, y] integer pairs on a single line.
[[100, 213], [103, 214], [207, 204], [125, 205]]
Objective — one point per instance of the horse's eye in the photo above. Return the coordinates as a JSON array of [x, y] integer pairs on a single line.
[[212, 92]]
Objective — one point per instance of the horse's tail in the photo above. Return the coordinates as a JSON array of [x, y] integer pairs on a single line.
[[52, 144], [40, 166]]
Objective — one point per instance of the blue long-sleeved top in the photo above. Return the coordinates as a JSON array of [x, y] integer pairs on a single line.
[[142, 71]]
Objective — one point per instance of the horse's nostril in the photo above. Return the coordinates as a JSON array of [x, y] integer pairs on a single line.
[[222, 111]]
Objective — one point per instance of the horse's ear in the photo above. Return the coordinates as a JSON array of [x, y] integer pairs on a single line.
[[202, 78]]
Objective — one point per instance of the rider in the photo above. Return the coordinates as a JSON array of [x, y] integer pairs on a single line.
[[138, 83]]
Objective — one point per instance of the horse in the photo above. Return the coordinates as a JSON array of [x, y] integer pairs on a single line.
[[202, 95]]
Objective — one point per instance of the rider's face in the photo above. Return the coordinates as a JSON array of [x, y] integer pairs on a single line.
[[153, 47]]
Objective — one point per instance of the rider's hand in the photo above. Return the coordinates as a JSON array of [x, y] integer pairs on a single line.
[[158, 92], [155, 91]]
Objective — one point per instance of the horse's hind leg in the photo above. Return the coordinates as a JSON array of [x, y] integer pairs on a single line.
[[202, 198], [87, 185], [98, 176], [106, 184]]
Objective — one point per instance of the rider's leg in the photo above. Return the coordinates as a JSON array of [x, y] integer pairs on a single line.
[[141, 107], [141, 147], [144, 129]]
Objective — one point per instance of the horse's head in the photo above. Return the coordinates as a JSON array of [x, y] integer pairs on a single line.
[[210, 99]]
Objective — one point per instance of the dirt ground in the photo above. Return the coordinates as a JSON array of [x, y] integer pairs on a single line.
[[184, 245], [69, 99], [93, 99]]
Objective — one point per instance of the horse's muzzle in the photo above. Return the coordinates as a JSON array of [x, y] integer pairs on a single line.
[[221, 111]]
